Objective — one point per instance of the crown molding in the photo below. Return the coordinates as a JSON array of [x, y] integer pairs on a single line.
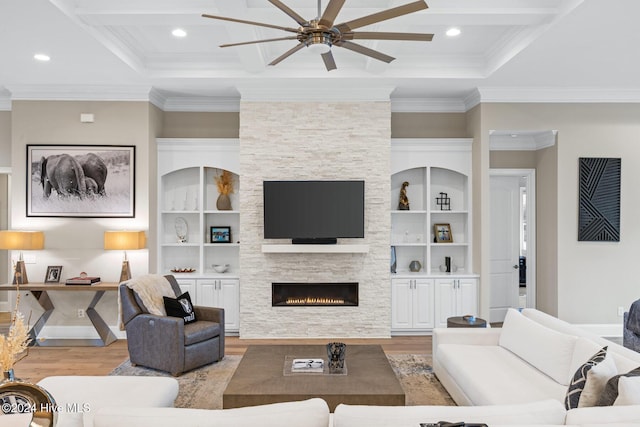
[[521, 141], [79, 93], [427, 105], [557, 95], [319, 93], [5, 102]]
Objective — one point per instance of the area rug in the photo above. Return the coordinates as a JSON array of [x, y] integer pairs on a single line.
[[202, 388]]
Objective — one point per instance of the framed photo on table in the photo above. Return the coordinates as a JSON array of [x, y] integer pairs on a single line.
[[220, 234], [53, 274], [442, 233], [83, 181]]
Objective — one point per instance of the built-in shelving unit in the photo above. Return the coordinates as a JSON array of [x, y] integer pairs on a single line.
[[187, 193], [431, 167]]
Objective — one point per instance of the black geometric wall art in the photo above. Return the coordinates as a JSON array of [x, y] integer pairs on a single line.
[[599, 204]]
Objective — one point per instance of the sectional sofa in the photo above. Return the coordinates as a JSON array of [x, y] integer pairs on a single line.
[[515, 375]]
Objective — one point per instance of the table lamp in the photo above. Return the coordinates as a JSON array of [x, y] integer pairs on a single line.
[[124, 240], [15, 240]]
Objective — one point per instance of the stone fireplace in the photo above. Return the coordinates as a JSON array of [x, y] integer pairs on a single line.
[[285, 140]]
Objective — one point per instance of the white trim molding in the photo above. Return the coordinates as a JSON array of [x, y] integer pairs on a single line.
[[518, 140], [79, 92], [427, 105]]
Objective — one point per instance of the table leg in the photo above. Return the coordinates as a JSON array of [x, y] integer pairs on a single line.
[[101, 326], [45, 302]]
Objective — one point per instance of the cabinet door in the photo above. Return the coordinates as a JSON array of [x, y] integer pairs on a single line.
[[467, 297], [423, 303], [401, 303], [189, 286], [446, 303], [207, 293], [229, 299]]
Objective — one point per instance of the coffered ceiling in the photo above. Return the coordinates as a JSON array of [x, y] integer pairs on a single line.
[[513, 50]]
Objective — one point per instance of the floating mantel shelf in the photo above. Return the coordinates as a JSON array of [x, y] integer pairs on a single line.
[[315, 249]]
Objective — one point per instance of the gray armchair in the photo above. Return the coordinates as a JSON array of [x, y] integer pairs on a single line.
[[629, 338], [166, 343]]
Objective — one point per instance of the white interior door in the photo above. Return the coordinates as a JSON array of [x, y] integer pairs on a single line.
[[505, 245]]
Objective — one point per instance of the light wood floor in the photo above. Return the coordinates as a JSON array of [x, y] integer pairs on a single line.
[[48, 361]]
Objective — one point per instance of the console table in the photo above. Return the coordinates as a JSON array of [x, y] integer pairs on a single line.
[[40, 291]]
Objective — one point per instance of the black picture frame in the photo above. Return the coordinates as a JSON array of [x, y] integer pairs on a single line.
[[101, 181], [54, 272], [220, 234], [599, 199]]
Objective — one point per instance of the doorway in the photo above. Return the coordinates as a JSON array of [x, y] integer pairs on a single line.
[[512, 274]]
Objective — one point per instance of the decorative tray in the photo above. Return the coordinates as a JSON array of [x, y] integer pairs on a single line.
[[183, 270]]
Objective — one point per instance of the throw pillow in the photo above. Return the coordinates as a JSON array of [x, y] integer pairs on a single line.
[[590, 380], [610, 393], [180, 307], [628, 391], [579, 380]]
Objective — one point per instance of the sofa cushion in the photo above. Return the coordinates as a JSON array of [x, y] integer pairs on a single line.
[[610, 393], [548, 350], [590, 380], [541, 412], [628, 391], [307, 413], [492, 375], [604, 415]]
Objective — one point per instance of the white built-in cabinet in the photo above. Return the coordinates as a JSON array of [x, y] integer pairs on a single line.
[[187, 193], [425, 299]]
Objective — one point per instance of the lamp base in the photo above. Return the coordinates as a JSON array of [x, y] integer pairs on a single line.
[[20, 274], [125, 274]]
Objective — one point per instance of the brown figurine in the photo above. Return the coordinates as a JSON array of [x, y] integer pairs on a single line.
[[403, 204]]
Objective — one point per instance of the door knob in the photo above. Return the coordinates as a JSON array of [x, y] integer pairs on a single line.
[[516, 266]]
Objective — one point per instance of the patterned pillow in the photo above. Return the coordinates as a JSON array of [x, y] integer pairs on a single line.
[[610, 393], [590, 380], [180, 307]]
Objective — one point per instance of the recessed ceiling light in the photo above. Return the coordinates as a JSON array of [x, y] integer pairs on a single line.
[[514, 135], [41, 57], [179, 32], [453, 32]]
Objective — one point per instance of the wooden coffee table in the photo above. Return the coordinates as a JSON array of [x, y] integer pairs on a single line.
[[260, 379]]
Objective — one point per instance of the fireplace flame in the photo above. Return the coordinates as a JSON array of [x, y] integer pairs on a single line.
[[315, 301]]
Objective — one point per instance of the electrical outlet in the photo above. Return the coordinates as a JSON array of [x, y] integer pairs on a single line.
[[80, 313], [620, 311]]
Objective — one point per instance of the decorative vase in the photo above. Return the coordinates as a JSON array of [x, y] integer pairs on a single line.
[[336, 352], [415, 266], [19, 397], [394, 262], [223, 203]]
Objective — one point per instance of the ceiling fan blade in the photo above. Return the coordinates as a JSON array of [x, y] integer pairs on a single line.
[[382, 16], [260, 41], [329, 62], [420, 37], [287, 54], [283, 7], [366, 51], [330, 13], [242, 21]]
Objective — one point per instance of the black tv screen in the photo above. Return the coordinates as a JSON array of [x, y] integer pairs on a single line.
[[310, 211]]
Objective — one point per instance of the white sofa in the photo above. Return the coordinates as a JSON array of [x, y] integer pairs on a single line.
[[531, 358]]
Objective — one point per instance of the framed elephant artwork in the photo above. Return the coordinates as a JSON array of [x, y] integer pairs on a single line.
[[83, 181]]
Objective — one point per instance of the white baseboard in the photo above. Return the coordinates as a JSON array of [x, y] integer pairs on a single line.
[[603, 330]]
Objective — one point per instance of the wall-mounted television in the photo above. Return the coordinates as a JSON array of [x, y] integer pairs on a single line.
[[313, 211]]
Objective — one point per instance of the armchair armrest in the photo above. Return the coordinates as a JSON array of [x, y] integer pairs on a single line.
[[212, 314], [468, 336]]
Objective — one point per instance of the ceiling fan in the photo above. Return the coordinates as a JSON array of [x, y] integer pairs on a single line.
[[322, 32]]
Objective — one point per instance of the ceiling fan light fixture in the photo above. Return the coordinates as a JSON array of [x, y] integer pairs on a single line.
[[319, 48]]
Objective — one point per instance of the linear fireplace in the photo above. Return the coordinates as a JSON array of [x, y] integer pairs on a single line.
[[314, 294]]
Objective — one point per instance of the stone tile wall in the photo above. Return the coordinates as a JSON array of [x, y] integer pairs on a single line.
[[305, 141]]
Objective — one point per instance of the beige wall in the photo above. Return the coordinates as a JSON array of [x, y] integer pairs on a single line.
[[200, 125], [593, 278], [428, 125], [513, 159], [5, 138]]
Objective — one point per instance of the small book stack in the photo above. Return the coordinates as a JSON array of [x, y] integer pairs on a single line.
[[307, 365], [88, 280]]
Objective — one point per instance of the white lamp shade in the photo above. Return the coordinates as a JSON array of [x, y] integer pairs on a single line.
[[124, 240], [14, 240]]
